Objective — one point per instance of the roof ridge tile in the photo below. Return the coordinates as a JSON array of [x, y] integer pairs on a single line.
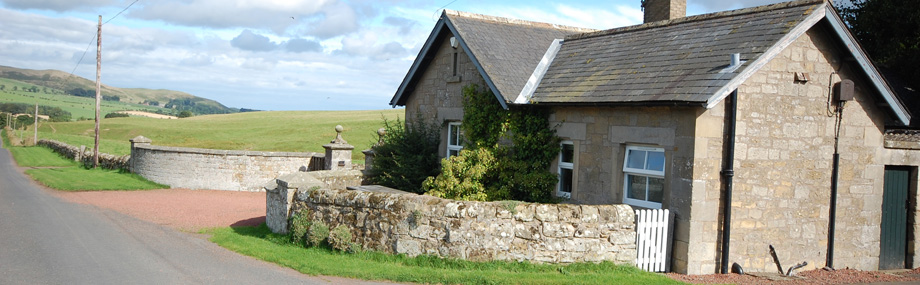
[[696, 18], [504, 20]]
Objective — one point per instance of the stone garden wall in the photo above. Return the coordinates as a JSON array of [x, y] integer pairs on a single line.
[[195, 168], [417, 224]]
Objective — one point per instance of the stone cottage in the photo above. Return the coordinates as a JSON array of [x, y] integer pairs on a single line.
[[756, 127]]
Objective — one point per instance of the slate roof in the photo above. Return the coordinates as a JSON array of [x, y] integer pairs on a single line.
[[678, 61], [506, 51], [684, 61]]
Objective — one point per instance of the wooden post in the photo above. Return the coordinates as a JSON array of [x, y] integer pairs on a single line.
[[35, 139], [98, 89]]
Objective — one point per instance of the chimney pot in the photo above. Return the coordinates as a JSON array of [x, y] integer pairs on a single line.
[[661, 10]]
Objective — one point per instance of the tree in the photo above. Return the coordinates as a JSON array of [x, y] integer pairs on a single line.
[[185, 114], [2, 87], [889, 31], [24, 121]]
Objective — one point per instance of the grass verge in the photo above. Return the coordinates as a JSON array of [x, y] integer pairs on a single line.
[[67, 175], [260, 243], [81, 179], [37, 156]]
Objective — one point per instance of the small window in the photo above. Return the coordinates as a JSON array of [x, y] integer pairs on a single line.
[[643, 176], [454, 139], [565, 170], [454, 65]]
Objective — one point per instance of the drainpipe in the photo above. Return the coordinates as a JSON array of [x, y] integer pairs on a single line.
[[835, 176], [831, 227], [728, 172]]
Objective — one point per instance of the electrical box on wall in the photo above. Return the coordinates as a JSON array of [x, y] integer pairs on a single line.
[[843, 90]]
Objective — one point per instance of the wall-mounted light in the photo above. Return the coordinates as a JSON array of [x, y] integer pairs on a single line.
[[453, 42], [843, 90]]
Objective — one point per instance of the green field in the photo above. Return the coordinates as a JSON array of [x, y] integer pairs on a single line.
[[77, 106], [296, 131]]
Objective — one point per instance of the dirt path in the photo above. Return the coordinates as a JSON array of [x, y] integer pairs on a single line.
[[182, 209]]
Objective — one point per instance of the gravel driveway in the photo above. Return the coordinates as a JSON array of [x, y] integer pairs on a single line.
[[182, 209]]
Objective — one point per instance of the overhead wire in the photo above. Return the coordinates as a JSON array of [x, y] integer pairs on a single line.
[[92, 40], [119, 13]]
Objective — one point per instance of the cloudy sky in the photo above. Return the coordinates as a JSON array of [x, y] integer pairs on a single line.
[[268, 54]]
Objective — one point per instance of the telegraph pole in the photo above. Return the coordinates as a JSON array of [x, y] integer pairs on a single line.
[[35, 139], [98, 89]]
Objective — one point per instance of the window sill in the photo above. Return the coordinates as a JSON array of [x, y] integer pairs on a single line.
[[642, 203]]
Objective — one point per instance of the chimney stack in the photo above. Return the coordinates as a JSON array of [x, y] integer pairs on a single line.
[[660, 10]]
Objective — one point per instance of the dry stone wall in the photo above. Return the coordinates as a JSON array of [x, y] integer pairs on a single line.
[[417, 224], [195, 168], [85, 156]]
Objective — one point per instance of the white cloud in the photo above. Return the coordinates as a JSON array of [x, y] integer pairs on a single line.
[[198, 59], [303, 45], [368, 44], [57, 5], [405, 25], [333, 20], [275, 15], [247, 40]]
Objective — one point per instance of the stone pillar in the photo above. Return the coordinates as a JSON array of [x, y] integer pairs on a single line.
[[369, 153], [338, 152], [136, 141]]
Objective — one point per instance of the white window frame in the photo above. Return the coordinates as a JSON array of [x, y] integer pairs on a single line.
[[450, 132], [641, 172], [565, 165]]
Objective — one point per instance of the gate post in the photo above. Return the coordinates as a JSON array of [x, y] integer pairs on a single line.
[[338, 152]]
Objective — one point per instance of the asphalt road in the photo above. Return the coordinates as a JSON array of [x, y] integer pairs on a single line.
[[44, 240]]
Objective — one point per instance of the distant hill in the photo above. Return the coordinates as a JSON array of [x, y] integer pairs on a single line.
[[79, 86]]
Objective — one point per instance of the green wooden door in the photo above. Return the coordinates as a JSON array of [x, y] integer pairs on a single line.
[[893, 240]]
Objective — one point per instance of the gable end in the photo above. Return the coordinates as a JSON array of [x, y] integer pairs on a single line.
[[444, 27]]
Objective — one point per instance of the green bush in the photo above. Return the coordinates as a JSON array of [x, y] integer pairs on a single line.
[[300, 224], [340, 239], [116, 115], [317, 233], [407, 156], [520, 144], [462, 176]]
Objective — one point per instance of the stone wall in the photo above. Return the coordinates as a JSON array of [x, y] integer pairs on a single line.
[[85, 156], [279, 193], [196, 168], [418, 224]]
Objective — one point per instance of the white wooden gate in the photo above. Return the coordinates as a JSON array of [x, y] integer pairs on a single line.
[[653, 239]]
